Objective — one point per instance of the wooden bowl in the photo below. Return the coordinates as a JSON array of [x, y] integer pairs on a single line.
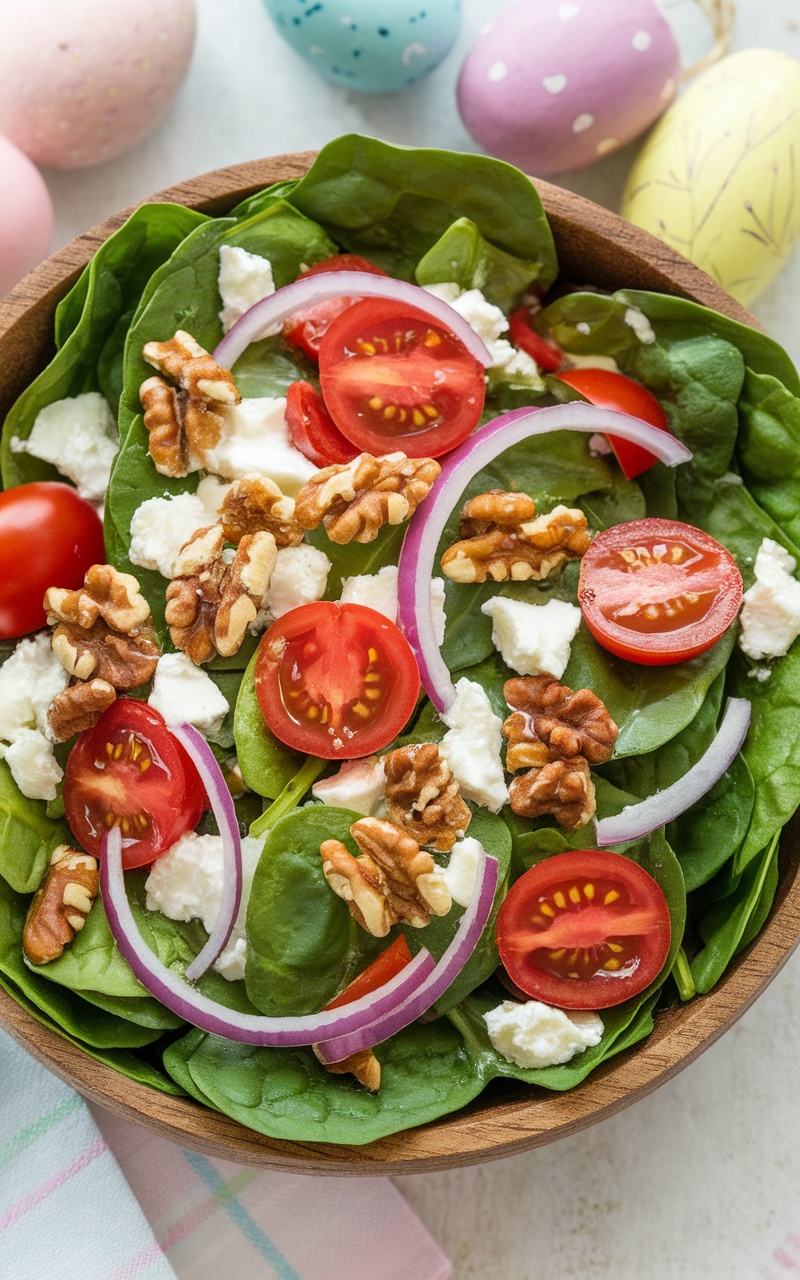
[[593, 245]]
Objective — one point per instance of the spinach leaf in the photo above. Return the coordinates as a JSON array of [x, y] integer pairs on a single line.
[[266, 764], [732, 922], [463, 256], [393, 203], [175, 1061], [769, 448], [711, 832], [27, 836], [93, 962]]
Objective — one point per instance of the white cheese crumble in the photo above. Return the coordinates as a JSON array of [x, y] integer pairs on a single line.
[[299, 577], [359, 785], [536, 1035], [185, 883], [771, 611], [378, 591], [255, 440], [161, 526], [599, 446], [244, 279], [29, 680], [183, 693], [472, 744], [78, 436], [638, 321], [533, 638], [460, 872], [489, 322]]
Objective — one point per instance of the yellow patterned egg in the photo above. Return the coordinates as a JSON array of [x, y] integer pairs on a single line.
[[718, 178]]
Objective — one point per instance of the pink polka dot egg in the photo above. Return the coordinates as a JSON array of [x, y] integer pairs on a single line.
[[553, 85]]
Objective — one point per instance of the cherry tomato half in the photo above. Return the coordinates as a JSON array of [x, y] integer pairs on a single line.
[[547, 353], [382, 970], [394, 378], [611, 390], [584, 930], [312, 430], [49, 537], [307, 327], [129, 772], [337, 681], [657, 591]]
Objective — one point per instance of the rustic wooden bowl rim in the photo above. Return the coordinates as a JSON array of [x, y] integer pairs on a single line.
[[513, 1117]]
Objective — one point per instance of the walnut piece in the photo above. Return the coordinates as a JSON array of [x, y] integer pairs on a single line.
[[124, 661], [355, 500], [363, 1065], [106, 593], [211, 603], [392, 880], [571, 724], [61, 904], [500, 539], [255, 504], [563, 788], [78, 708], [184, 411], [422, 796]]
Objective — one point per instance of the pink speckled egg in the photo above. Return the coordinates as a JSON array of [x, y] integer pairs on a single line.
[[26, 216], [556, 84], [82, 82]]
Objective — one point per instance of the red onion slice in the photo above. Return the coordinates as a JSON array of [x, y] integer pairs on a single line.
[[268, 315], [470, 927], [656, 811], [222, 807], [428, 523], [247, 1028]]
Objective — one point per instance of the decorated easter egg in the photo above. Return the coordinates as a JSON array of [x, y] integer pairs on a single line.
[[554, 85], [82, 82], [26, 216], [719, 178], [373, 47]]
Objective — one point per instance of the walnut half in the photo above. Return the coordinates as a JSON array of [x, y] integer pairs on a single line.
[[571, 724], [500, 539], [422, 796], [61, 904], [355, 500]]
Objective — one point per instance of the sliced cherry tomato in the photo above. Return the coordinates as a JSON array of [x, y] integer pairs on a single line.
[[547, 353], [49, 537], [657, 591], [387, 966], [312, 429], [611, 390], [394, 378], [584, 930], [337, 681], [130, 772], [307, 327]]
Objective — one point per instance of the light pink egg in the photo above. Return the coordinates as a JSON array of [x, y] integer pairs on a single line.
[[557, 84], [81, 82], [26, 216]]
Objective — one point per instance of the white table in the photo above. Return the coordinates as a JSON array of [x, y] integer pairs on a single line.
[[701, 1179]]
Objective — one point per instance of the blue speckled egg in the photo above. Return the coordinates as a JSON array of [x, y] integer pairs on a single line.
[[370, 46]]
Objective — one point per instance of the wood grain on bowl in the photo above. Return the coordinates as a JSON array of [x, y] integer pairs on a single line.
[[593, 245]]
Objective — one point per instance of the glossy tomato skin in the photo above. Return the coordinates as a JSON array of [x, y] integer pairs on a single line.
[[337, 681], [307, 327], [586, 929], [547, 353], [312, 430], [610, 390], [394, 378], [658, 591], [385, 967], [49, 537], [129, 771]]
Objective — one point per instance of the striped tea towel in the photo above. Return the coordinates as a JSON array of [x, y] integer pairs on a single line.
[[65, 1207], [215, 1218]]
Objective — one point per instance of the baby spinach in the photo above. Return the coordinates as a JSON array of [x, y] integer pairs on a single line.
[[27, 836], [732, 922], [266, 764], [462, 256], [769, 448]]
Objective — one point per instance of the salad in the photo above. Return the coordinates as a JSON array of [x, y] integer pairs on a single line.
[[424, 710]]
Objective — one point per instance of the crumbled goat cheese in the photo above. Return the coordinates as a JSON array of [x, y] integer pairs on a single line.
[[79, 437], [359, 785], [536, 1035], [583, 328], [185, 883], [599, 446], [29, 680], [533, 638], [760, 674], [513, 363], [771, 611], [185, 694], [472, 744], [638, 321], [460, 872], [244, 279], [255, 440], [489, 323], [378, 591], [300, 576], [161, 526]]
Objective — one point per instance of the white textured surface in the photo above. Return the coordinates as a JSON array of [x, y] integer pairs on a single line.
[[701, 1178]]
